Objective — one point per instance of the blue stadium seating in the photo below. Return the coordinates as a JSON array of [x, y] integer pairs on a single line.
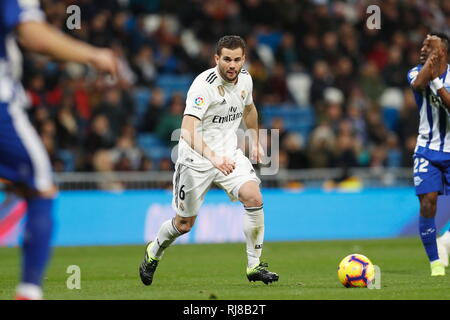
[[301, 120], [174, 83], [141, 97], [390, 118], [153, 147], [170, 84], [68, 158]]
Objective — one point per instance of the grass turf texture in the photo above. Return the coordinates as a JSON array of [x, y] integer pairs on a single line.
[[308, 270]]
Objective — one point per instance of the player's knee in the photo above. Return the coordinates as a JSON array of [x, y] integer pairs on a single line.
[[184, 228], [428, 206], [183, 225], [253, 201]]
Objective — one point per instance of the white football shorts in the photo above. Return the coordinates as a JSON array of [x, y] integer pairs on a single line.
[[190, 186]]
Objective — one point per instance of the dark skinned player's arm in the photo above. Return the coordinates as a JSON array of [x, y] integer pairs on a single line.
[[423, 78], [438, 62]]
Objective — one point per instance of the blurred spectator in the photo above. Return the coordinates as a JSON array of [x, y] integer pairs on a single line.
[[294, 145], [394, 154], [171, 120], [144, 66], [125, 155], [376, 129], [102, 163], [277, 91], [321, 79], [287, 52], [278, 124], [354, 115], [146, 164], [154, 112], [67, 128], [100, 135], [330, 48], [113, 109], [395, 70], [344, 77], [321, 147], [345, 153], [36, 90], [371, 81], [332, 109], [346, 69], [310, 52]]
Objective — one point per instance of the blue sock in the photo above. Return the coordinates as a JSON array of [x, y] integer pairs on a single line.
[[36, 242], [427, 230]]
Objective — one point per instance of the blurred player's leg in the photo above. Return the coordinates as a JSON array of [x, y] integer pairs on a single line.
[[24, 161], [443, 243], [36, 247]]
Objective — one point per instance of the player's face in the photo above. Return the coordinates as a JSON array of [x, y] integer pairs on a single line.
[[230, 63], [427, 48], [424, 51]]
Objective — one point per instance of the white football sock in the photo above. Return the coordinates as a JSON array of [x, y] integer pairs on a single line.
[[29, 291], [254, 234], [445, 239], [166, 235]]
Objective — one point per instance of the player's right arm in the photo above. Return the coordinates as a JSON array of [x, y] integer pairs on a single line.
[[194, 138], [421, 80]]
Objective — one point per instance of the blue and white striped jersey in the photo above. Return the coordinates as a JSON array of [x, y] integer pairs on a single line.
[[434, 126], [13, 12]]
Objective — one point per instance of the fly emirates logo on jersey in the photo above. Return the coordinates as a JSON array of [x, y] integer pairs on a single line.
[[233, 115]]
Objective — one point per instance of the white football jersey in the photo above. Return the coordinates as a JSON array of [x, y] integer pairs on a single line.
[[219, 105]]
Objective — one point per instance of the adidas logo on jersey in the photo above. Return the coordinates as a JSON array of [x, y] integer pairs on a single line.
[[223, 102]]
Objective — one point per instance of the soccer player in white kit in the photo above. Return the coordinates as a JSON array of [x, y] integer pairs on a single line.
[[217, 101]]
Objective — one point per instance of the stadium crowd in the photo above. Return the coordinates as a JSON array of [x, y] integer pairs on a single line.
[[317, 56]]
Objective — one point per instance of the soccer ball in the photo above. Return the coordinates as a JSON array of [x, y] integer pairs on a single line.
[[356, 270]]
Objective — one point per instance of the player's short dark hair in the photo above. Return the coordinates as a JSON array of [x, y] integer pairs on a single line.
[[230, 42], [444, 38]]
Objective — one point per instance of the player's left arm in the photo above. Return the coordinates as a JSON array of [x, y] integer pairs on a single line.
[[251, 121]]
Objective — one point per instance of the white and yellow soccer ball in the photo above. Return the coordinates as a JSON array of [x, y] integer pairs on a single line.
[[356, 270]]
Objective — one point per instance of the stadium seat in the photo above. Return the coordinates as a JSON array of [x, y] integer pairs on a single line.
[[141, 97], [391, 118], [300, 120], [68, 159], [153, 147], [149, 140], [174, 83]]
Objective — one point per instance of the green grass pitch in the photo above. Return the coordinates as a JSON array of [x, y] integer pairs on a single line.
[[308, 270]]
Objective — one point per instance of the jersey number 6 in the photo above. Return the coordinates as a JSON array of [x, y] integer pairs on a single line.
[[182, 194]]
